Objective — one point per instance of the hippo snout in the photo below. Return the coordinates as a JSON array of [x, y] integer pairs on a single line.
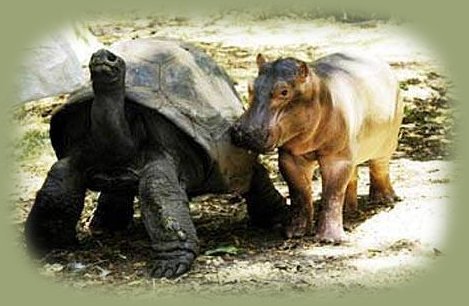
[[249, 138]]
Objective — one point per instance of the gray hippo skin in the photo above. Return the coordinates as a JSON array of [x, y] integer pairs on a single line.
[[153, 123]]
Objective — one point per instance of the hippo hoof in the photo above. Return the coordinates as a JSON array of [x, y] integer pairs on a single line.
[[329, 237], [172, 265], [384, 198], [291, 232], [297, 229], [351, 207]]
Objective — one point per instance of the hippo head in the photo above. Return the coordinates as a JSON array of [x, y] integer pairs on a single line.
[[278, 101], [106, 69]]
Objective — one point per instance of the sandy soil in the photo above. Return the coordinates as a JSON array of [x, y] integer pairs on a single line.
[[389, 245]]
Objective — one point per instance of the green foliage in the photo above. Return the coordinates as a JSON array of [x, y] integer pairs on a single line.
[[32, 144]]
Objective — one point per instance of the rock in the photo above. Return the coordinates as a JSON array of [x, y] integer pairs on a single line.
[[55, 65]]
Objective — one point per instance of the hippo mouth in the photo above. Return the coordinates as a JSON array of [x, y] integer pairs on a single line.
[[251, 143]]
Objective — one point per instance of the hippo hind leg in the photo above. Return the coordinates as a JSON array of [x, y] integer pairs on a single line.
[[351, 203], [114, 212], [381, 190]]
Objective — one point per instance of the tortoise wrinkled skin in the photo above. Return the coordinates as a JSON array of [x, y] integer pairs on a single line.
[[154, 124]]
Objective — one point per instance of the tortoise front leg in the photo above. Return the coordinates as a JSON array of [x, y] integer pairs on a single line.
[[57, 209], [165, 212], [114, 211], [266, 206]]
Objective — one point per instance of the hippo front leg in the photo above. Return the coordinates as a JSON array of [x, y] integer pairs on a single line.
[[298, 173], [165, 212], [336, 174]]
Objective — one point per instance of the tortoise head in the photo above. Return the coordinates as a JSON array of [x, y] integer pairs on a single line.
[[107, 69]]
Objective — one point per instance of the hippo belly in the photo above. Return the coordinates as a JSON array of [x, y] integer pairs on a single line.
[[376, 140]]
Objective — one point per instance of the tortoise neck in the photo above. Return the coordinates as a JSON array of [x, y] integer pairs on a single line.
[[109, 127], [110, 99]]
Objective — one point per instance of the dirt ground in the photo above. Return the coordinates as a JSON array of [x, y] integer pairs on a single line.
[[389, 245]]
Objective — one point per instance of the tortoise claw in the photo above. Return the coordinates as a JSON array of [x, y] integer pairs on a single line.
[[172, 265]]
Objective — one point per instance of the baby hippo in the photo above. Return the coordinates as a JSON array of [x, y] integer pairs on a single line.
[[341, 111]]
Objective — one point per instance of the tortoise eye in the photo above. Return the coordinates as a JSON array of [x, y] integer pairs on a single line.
[[284, 93]]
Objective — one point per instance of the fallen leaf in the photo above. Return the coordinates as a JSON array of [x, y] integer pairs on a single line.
[[229, 249]]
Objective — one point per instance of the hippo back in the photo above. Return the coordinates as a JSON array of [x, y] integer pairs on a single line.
[[366, 92]]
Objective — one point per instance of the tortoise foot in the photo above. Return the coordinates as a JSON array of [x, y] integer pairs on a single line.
[[172, 265]]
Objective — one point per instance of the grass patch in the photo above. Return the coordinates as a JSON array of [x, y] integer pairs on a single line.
[[32, 144]]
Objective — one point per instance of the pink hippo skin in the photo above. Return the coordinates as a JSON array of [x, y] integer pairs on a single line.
[[341, 111]]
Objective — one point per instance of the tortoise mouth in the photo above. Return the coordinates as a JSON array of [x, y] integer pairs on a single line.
[[106, 67], [104, 73]]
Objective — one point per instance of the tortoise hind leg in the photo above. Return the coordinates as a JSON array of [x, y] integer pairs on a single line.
[[165, 212], [114, 212], [56, 210], [266, 206]]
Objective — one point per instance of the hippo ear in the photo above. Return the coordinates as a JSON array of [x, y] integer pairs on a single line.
[[260, 60], [303, 71], [250, 92]]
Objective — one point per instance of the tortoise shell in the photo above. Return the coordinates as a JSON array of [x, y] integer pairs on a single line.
[[183, 84]]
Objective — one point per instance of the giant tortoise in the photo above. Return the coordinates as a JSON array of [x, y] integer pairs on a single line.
[[153, 123]]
